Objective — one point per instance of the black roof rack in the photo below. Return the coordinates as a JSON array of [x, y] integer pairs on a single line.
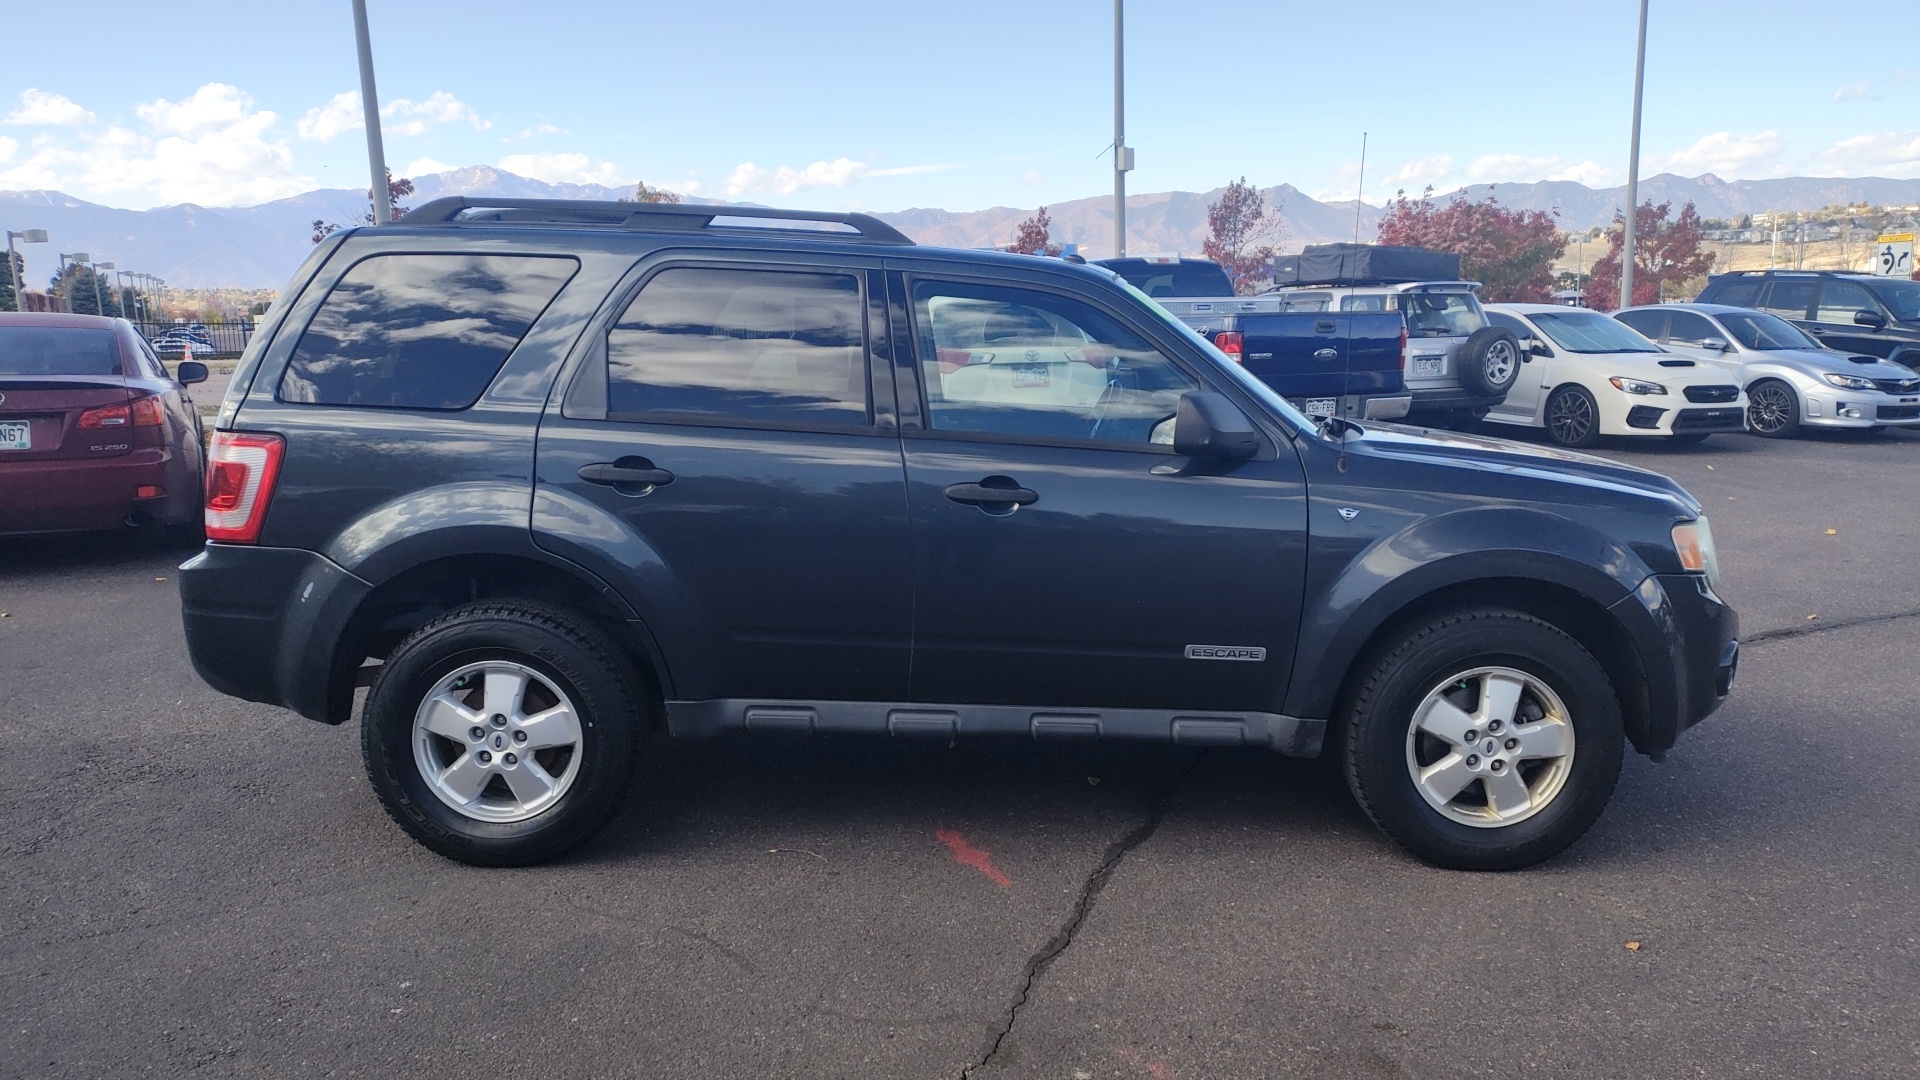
[[463, 209]]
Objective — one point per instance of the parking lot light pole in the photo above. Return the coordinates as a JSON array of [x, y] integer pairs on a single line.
[[1122, 155], [1633, 167], [25, 236], [370, 104], [99, 306]]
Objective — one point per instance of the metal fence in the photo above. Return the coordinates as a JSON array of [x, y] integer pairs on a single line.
[[218, 337]]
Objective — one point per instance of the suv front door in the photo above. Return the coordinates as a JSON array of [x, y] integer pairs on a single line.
[[1113, 569], [1833, 321], [727, 458]]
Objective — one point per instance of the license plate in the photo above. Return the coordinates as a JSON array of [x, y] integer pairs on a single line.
[[1319, 406], [1429, 365], [16, 436]]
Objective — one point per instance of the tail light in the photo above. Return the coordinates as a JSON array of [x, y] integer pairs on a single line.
[[1231, 342], [241, 469], [1403, 348], [140, 412]]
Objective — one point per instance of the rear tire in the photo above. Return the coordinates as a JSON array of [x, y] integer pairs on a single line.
[[504, 732], [1773, 410], [1530, 742]]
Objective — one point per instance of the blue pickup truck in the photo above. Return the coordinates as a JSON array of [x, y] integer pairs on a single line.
[[1328, 363]]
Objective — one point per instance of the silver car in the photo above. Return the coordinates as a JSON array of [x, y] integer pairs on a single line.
[[1790, 378]]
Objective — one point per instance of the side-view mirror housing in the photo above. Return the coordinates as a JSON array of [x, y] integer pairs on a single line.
[[1716, 344], [190, 372], [1208, 425], [1539, 348], [1870, 318]]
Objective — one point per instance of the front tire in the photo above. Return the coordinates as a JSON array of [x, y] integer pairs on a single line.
[[1773, 410], [1484, 740], [1573, 418], [503, 733]]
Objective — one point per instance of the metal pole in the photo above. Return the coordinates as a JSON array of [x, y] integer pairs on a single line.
[[1119, 130], [1633, 167], [99, 305], [119, 297], [370, 102]]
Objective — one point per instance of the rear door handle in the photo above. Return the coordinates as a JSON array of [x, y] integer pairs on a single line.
[[1817, 331], [994, 491], [616, 475]]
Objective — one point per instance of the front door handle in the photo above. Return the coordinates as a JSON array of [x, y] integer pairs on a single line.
[[1817, 331], [994, 493], [628, 475], [1326, 354]]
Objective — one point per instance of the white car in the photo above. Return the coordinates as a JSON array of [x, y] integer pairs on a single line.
[[1791, 379], [1586, 376]]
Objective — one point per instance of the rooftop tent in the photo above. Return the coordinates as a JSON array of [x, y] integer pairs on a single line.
[[1364, 264]]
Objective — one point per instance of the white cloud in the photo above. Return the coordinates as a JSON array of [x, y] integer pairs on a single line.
[[751, 179], [403, 117], [1725, 152], [541, 129], [339, 115], [1856, 91], [564, 169], [7, 147], [1521, 169], [1890, 152], [1033, 178], [425, 166], [46, 107], [1423, 171], [343, 113], [915, 170], [213, 148]]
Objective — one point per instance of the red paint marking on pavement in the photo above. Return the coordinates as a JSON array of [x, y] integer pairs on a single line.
[[968, 855]]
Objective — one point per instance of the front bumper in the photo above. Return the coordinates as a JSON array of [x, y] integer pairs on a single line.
[[261, 624], [1688, 641], [1670, 418], [1843, 409]]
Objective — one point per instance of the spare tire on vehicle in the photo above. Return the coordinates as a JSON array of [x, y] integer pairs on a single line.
[[1489, 362]]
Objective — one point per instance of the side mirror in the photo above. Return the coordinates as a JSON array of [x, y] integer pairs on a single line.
[[1540, 349], [190, 372], [1870, 318], [1716, 344], [1207, 425]]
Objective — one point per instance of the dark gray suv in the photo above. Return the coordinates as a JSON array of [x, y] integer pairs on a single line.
[[548, 475]]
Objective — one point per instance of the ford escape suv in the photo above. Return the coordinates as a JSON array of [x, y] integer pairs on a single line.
[[546, 475]]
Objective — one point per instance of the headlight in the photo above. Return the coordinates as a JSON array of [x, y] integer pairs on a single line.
[[1635, 386], [1849, 382], [1693, 540]]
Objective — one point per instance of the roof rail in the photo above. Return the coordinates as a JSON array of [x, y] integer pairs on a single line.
[[460, 209]]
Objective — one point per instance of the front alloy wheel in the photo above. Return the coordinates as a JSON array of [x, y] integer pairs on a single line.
[[1491, 747], [1573, 419]]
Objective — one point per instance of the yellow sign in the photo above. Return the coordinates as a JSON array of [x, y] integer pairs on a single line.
[[1894, 255]]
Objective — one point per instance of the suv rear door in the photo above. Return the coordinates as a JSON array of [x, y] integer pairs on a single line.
[[727, 457], [1113, 565]]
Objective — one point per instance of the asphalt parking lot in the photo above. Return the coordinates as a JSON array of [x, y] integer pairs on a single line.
[[195, 884]]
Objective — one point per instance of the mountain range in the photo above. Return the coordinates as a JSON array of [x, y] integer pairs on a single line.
[[259, 246]]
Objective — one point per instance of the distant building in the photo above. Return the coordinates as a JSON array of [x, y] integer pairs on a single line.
[[39, 301]]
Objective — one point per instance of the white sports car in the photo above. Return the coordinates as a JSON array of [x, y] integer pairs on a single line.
[[1586, 376]]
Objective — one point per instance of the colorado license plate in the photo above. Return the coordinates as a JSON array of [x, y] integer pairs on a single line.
[[1429, 365], [1318, 406], [16, 436]]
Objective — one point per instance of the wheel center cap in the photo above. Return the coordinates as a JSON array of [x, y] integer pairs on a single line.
[[1490, 747], [498, 740]]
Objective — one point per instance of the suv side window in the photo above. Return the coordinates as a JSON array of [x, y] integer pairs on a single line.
[[1304, 302], [1839, 300], [1739, 293], [1789, 298], [420, 331], [740, 347], [1018, 362], [1690, 328], [1363, 303], [1650, 324]]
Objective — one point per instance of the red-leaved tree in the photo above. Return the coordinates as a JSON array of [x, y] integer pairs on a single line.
[[1242, 235], [396, 190], [1664, 253], [1034, 236], [1510, 252]]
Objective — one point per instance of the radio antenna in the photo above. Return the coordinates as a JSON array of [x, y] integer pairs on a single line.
[[1360, 188]]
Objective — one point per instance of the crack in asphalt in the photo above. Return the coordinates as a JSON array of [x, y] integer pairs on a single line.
[[1786, 632], [1089, 892]]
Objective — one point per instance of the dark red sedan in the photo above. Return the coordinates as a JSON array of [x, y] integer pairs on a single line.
[[94, 434]]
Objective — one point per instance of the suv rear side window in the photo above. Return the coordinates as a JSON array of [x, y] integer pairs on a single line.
[[1739, 293], [745, 346], [420, 331], [1789, 298]]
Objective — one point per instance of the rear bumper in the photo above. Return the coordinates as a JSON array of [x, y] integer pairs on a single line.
[[94, 493], [1688, 642], [260, 623], [1448, 399]]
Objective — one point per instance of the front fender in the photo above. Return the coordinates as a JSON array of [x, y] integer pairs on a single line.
[[1351, 596]]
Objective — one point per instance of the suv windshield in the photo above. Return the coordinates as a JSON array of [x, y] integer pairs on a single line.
[[1902, 298], [1766, 333], [1591, 332], [1172, 279], [1431, 313]]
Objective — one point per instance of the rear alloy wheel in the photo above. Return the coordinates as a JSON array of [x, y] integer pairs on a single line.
[[1773, 410], [1484, 740], [503, 733], [1573, 418]]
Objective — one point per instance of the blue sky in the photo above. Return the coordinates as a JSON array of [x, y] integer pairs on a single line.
[[856, 104]]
